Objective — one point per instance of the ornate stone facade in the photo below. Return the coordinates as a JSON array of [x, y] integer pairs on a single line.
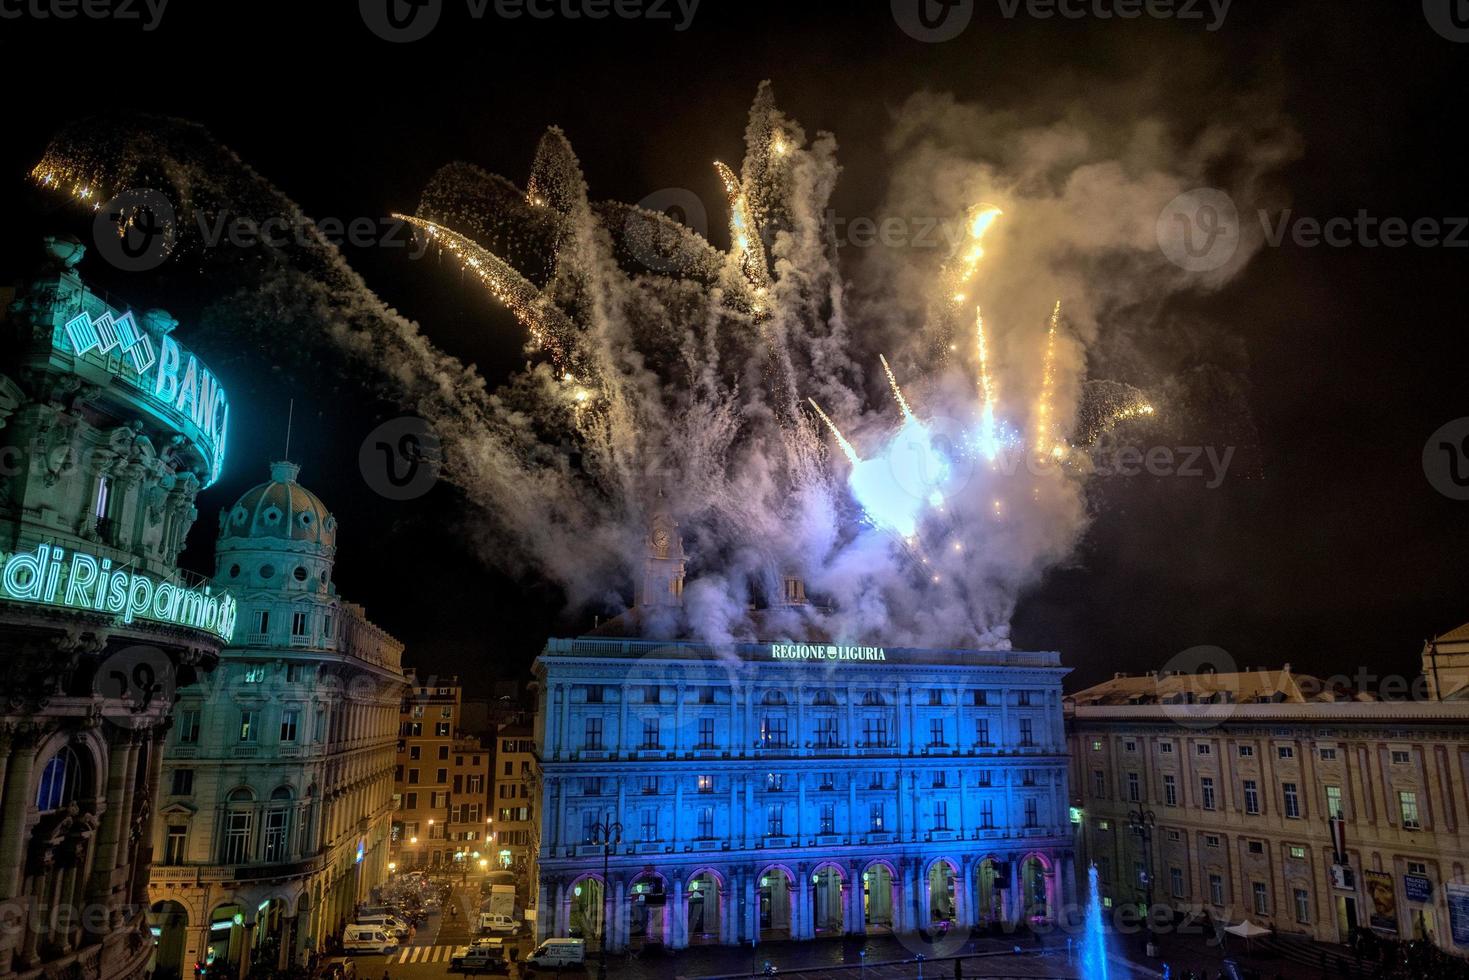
[[97, 485]]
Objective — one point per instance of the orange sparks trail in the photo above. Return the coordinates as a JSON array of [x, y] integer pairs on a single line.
[[1048, 384]]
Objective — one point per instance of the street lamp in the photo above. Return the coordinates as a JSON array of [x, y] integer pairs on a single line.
[[1141, 822], [608, 833]]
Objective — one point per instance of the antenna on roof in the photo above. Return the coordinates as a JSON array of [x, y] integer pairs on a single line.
[[290, 417]]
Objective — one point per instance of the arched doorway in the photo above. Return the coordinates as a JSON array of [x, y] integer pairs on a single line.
[[943, 898], [877, 896], [827, 917], [226, 935], [988, 882], [584, 919], [704, 894], [647, 920], [1033, 874], [775, 903], [270, 938], [169, 922]]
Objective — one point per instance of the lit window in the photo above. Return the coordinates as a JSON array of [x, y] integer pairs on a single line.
[[1408, 804], [58, 781]]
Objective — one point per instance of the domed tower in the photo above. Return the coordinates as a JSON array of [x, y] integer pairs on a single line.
[[276, 549]]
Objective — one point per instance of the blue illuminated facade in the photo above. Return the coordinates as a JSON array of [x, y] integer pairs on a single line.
[[794, 790]]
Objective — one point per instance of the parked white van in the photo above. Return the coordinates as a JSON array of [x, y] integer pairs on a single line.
[[557, 954], [360, 938], [390, 924]]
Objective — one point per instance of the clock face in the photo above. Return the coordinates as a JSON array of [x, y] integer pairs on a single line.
[[660, 537]]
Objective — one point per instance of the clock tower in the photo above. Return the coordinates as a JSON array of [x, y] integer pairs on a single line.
[[663, 561]]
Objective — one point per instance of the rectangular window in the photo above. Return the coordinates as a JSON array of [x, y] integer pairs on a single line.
[[237, 837], [189, 726], [935, 732], [1328, 755], [262, 621], [1165, 747], [706, 733], [874, 817], [987, 814], [651, 734], [1246, 751], [412, 777], [1333, 801], [982, 731], [174, 844], [1252, 798], [441, 729], [1262, 899], [1303, 904], [289, 720], [775, 782], [589, 834], [1211, 840], [980, 698], [1285, 752], [1297, 852], [592, 739], [649, 785], [444, 753], [1099, 782], [275, 834], [1256, 846], [940, 815], [826, 733], [1206, 792], [594, 694], [248, 732], [773, 732], [875, 732], [826, 780], [649, 827], [1292, 799], [298, 624], [828, 819], [1408, 804], [706, 784], [1134, 787], [1204, 748], [775, 819], [183, 782], [1170, 790], [1027, 732], [1175, 881], [1216, 889], [1400, 758], [1032, 817], [706, 823], [1022, 699], [1129, 745], [443, 776]]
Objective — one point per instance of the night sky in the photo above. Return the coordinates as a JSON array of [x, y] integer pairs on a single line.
[[1330, 550]]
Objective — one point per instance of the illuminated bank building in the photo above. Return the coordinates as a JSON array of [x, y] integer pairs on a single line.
[[109, 428], [276, 801], [793, 789]]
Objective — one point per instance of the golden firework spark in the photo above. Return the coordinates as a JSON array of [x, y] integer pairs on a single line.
[[847, 447], [897, 391]]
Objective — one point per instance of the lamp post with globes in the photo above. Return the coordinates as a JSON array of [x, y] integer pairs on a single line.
[[608, 834], [1142, 822]]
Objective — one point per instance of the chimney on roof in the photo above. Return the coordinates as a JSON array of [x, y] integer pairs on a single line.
[[1286, 668]]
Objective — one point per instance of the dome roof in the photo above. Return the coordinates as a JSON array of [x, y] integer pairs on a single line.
[[281, 510]]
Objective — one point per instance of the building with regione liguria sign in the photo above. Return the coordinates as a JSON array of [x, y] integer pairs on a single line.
[[276, 804], [104, 444], [793, 789]]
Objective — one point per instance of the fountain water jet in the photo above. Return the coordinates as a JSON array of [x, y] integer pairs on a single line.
[[1094, 962]]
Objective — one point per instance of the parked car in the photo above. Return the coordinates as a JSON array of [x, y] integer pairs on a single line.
[[390, 924], [478, 959], [359, 938], [557, 954], [494, 922]]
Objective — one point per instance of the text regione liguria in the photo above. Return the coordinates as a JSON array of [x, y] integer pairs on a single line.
[[92, 584]]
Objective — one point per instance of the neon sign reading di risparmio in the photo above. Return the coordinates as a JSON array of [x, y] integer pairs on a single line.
[[88, 583]]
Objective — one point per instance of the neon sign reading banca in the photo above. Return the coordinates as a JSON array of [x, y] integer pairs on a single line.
[[181, 384], [92, 584]]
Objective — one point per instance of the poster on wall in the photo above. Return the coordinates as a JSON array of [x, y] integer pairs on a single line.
[[1457, 894], [1384, 914], [1417, 888]]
